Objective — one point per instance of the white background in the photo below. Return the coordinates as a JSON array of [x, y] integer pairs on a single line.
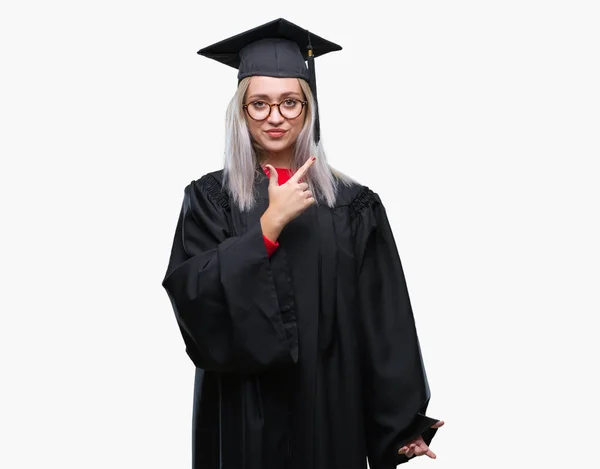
[[476, 121]]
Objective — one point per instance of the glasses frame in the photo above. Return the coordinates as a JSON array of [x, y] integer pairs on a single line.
[[245, 106]]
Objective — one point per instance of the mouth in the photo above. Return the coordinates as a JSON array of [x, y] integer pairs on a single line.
[[276, 133]]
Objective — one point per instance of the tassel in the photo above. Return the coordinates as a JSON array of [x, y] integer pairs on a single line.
[[312, 81]]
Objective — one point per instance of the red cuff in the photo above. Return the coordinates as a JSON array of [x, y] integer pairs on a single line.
[[270, 245]]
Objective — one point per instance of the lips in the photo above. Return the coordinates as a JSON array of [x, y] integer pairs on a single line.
[[276, 133]]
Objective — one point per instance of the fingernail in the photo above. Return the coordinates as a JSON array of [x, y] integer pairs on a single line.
[[314, 158]]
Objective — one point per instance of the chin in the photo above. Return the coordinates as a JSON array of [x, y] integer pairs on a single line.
[[275, 147]]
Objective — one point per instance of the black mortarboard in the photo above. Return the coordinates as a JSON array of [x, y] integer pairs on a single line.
[[276, 49]]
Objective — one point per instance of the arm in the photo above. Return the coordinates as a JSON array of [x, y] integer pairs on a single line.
[[234, 306], [396, 391]]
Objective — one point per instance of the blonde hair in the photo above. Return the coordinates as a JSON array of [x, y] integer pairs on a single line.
[[242, 155]]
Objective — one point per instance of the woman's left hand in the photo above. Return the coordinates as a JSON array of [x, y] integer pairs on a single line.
[[418, 447]]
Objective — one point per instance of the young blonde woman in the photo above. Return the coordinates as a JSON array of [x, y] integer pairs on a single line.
[[288, 288]]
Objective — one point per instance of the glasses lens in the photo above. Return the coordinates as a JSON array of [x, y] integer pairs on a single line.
[[258, 110], [290, 108]]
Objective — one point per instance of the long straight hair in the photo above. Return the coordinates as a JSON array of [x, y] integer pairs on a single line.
[[242, 155]]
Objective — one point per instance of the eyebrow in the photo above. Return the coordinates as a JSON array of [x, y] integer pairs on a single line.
[[281, 96]]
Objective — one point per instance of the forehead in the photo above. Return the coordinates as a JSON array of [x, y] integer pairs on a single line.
[[273, 87]]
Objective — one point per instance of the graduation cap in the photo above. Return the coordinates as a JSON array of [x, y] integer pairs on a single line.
[[278, 48]]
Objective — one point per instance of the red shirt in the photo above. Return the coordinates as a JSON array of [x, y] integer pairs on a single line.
[[283, 174]]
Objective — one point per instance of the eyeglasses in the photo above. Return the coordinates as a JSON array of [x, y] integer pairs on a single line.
[[260, 110]]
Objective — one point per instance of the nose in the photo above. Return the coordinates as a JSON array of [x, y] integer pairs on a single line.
[[275, 118]]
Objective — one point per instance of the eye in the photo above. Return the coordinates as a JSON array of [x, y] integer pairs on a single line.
[[290, 102], [259, 104]]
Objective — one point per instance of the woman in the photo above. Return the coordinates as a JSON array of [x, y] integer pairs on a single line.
[[288, 288]]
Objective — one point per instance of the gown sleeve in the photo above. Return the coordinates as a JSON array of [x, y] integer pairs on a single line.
[[396, 390], [234, 305]]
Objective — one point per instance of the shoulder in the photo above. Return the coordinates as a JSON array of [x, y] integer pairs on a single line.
[[209, 178], [209, 186], [357, 197]]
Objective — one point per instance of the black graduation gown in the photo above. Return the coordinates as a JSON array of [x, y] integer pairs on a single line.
[[308, 359]]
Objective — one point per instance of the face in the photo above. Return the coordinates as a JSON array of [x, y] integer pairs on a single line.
[[277, 133]]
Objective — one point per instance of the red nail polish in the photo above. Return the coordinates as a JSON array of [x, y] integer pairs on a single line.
[[314, 158]]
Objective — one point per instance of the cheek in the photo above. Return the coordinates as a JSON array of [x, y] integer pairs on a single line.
[[297, 128], [254, 129]]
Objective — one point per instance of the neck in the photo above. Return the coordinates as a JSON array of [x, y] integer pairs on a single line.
[[278, 160]]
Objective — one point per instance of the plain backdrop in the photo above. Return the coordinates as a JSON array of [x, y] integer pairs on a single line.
[[477, 122]]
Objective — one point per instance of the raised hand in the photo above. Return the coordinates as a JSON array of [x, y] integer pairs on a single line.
[[289, 200]]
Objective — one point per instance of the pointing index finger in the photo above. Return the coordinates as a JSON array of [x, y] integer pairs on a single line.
[[303, 169]]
